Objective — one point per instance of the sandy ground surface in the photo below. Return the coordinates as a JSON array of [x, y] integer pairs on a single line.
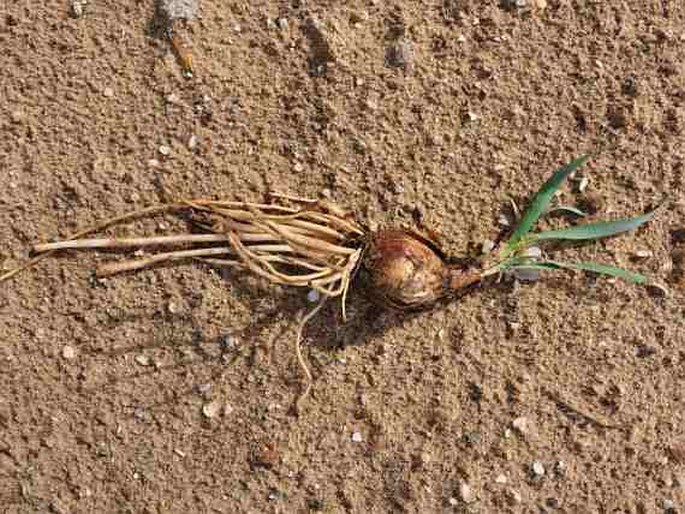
[[565, 395]]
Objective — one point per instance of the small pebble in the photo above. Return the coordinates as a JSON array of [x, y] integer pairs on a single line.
[[143, 360], [472, 116], [643, 254], [399, 55], [501, 479], [582, 185], [521, 425], [313, 296], [76, 7], [487, 247], [153, 163], [108, 92], [538, 468], [503, 220], [282, 23], [357, 437], [68, 352], [172, 98], [211, 409], [466, 493], [192, 142], [164, 150], [204, 388], [174, 307], [453, 501], [669, 505]]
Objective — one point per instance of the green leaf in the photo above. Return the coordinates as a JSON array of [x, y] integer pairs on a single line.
[[594, 267], [542, 198], [592, 230]]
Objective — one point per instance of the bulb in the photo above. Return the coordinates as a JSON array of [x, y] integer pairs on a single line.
[[409, 272], [405, 270]]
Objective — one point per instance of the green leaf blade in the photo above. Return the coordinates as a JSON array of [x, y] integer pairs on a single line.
[[589, 231], [542, 198], [602, 269]]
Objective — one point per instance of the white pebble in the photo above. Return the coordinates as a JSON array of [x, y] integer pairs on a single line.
[[108, 92], [143, 360], [68, 352], [192, 142], [487, 246], [501, 479], [357, 437], [503, 220], [211, 409], [466, 493], [453, 501], [521, 425], [164, 150], [313, 296], [538, 468], [643, 254], [174, 307], [153, 163]]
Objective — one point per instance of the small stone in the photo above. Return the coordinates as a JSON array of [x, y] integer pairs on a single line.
[[461, 38], [668, 505], [501, 479], [521, 425], [583, 183], [172, 98], [229, 343], [560, 468], [282, 23], [540, 4], [212, 409], [453, 501], [164, 150], [143, 360], [677, 451], [503, 220], [76, 7], [139, 413], [538, 469], [298, 167], [357, 437], [174, 307], [399, 55], [466, 493], [487, 247], [179, 9], [643, 254], [68, 352], [192, 142], [204, 388], [153, 163], [108, 92], [313, 296]]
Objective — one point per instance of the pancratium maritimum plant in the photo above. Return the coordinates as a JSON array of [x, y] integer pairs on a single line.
[[307, 243]]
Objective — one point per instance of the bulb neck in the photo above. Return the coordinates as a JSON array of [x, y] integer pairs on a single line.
[[460, 278]]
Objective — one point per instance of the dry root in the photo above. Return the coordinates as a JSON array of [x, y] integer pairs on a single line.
[[291, 241]]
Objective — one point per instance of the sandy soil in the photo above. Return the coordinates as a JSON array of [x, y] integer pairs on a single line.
[[566, 395]]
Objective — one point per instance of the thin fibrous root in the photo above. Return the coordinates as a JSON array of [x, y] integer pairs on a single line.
[[300, 357]]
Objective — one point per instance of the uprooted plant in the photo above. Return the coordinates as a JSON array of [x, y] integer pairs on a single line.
[[307, 243]]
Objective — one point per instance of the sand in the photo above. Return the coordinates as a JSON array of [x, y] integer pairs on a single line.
[[169, 390]]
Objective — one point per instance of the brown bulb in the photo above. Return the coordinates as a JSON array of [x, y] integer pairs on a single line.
[[405, 271], [409, 272]]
